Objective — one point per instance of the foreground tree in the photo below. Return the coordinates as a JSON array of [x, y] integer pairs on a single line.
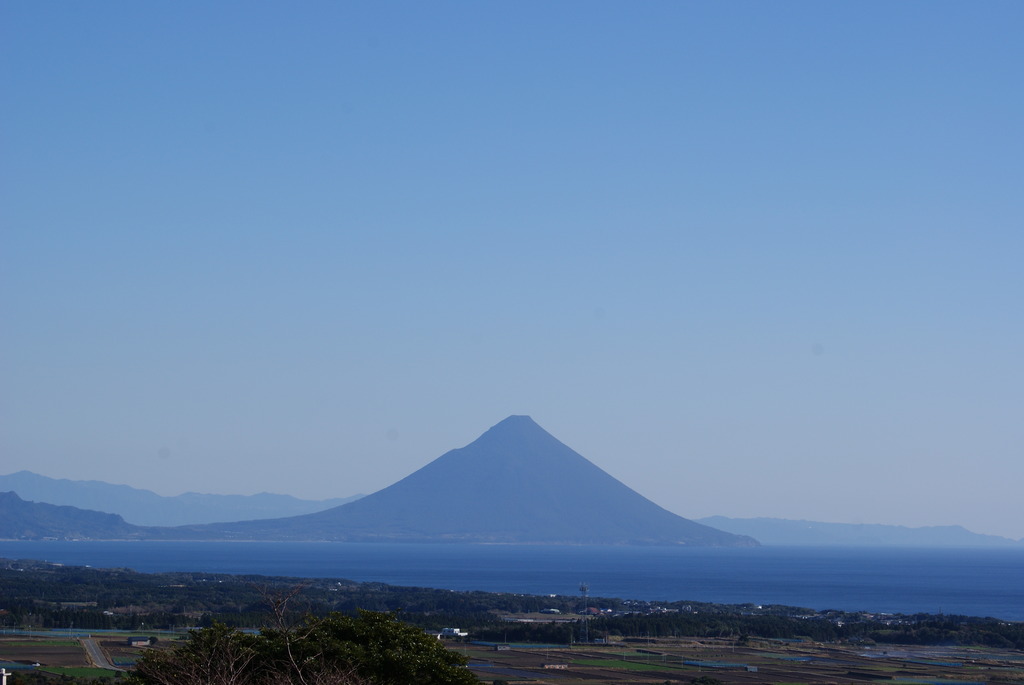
[[371, 648]]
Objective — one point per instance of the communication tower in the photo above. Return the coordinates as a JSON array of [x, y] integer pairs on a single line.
[[585, 622]]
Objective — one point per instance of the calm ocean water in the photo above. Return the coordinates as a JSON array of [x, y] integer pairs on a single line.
[[977, 582]]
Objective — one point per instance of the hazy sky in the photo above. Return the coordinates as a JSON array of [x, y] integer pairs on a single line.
[[750, 258]]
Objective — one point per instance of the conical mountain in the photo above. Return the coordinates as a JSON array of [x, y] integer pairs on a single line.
[[516, 484]]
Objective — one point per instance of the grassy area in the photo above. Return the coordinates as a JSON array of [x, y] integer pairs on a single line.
[[78, 671], [39, 643], [624, 665]]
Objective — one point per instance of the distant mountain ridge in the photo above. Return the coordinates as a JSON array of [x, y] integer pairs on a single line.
[[21, 520], [146, 508], [516, 483], [774, 531]]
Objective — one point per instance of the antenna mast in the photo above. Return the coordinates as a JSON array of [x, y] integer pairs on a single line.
[[584, 626]]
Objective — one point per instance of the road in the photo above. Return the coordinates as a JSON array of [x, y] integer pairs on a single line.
[[96, 654]]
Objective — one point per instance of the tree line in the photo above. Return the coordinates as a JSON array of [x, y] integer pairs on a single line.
[[34, 594]]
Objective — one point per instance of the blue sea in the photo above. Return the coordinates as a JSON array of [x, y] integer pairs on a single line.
[[975, 582]]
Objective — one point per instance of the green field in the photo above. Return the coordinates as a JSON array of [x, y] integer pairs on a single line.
[[624, 665], [78, 671]]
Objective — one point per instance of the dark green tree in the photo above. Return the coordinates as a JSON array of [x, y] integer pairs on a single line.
[[705, 680], [217, 655], [379, 647], [371, 648]]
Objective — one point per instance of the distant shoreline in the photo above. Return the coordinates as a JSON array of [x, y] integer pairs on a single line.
[[974, 582]]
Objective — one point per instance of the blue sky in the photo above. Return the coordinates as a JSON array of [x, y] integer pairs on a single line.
[[752, 259]]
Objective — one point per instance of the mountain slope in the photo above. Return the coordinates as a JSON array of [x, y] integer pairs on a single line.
[[772, 531], [21, 520], [146, 508], [516, 483]]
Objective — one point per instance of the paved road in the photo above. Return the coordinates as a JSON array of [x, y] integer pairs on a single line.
[[96, 654]]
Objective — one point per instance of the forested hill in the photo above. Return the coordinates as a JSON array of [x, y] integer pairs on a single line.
[[21, 520]]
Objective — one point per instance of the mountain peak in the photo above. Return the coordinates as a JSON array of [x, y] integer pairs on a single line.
[[517, 422], [519, 425], [514, 483], [515, 439]]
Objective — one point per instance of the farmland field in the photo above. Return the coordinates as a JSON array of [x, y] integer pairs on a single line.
[[756, 663], [675, 660]]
